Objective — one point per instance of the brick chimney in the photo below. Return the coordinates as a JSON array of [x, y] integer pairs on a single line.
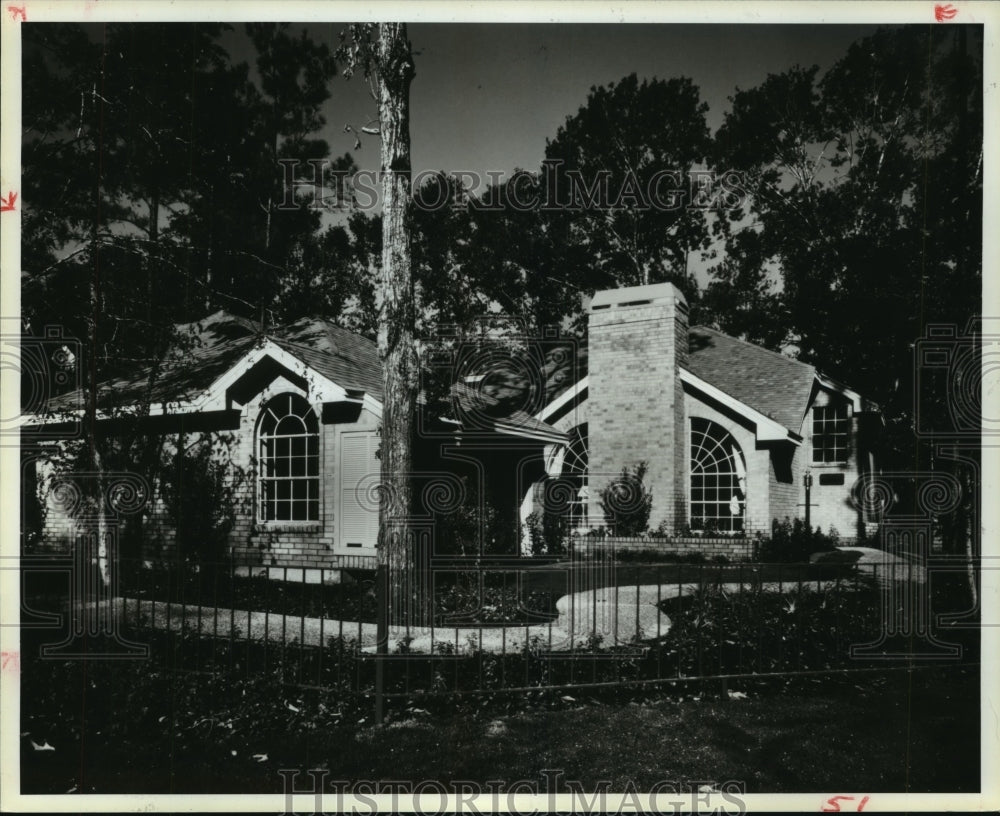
[[638, 339]]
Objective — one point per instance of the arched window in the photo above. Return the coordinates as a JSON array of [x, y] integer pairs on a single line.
[[288, 458], [575, 465], [718, 478]]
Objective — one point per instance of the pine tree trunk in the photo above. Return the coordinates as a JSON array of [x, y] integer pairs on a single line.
[[967, 530], [397, 559], [96, 464]]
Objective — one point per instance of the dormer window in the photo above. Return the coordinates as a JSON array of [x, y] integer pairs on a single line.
[[830, 433]]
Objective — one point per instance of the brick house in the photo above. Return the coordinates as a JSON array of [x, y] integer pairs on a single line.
[[727, 430], [295, 412]]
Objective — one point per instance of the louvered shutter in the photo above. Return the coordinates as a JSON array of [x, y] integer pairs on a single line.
[[358, 465]]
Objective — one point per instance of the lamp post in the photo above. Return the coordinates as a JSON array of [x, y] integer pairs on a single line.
[[807, 482]]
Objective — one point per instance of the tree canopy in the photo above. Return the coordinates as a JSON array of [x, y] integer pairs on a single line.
[[863, 223], [151, 196]]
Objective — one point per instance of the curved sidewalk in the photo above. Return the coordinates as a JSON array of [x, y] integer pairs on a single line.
[[608, 616]]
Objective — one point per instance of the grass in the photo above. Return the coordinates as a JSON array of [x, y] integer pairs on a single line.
[[125, 730]]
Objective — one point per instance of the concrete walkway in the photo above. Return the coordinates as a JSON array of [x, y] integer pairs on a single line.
[[883, 566], [608, 616]]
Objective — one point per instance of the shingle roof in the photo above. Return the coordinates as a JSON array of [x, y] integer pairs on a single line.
[[210, 347], [205, 350], [346, 358], [477, 408], [777, 386]]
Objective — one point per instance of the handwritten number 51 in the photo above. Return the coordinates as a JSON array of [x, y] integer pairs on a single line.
[[833, 804]]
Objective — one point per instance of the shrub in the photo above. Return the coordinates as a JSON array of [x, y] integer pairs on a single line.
[[792, 541], [547, 532], [475, 527], [626, 502], [200, 492]]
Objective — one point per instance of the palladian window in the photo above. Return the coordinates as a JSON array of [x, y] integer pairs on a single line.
[[718, 479]]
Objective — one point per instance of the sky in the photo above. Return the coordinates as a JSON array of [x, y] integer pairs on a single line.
[[487, 97]]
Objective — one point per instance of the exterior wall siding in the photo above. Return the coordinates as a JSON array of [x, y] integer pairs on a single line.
[[832, 505]]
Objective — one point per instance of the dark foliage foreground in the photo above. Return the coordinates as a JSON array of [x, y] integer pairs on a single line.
[[102, 727], [225, 715]]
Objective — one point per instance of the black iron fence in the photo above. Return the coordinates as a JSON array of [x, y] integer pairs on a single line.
[[591, 619]]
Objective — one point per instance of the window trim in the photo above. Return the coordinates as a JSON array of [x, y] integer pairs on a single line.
[[316, 478], [817, 439]]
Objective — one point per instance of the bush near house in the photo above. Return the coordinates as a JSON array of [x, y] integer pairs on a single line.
[[792, 541], [627, 503], [476, 527], [201, 494], [547, 533]]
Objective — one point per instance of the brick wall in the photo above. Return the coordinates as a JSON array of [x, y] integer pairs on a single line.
[[313, 544], [734, 549], [637, 340], [785, 479]]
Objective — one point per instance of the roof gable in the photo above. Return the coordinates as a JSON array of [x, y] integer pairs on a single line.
[[774, 385], [224, 356], [770, 384], [347, 359]]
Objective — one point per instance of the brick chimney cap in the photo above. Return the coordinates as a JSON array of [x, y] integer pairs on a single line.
[[637, 296]]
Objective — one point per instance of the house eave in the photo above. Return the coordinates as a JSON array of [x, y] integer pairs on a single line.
[[766, 429], [218, 397], [564, 398], [857, 402]]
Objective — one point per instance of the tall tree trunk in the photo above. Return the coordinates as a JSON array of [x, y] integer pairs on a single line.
[[396, 330], [153, 230], [95, 462]]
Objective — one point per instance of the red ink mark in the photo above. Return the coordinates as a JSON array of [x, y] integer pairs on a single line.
[[10, 660], [833, 804], [942, 13], [15, 10], [8, 202]]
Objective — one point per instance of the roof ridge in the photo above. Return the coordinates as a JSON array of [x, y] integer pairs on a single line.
[[336, 352], [325, 325], [756, 347]]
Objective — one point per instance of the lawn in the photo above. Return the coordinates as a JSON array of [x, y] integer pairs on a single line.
[[124, 728], [145, 727]]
